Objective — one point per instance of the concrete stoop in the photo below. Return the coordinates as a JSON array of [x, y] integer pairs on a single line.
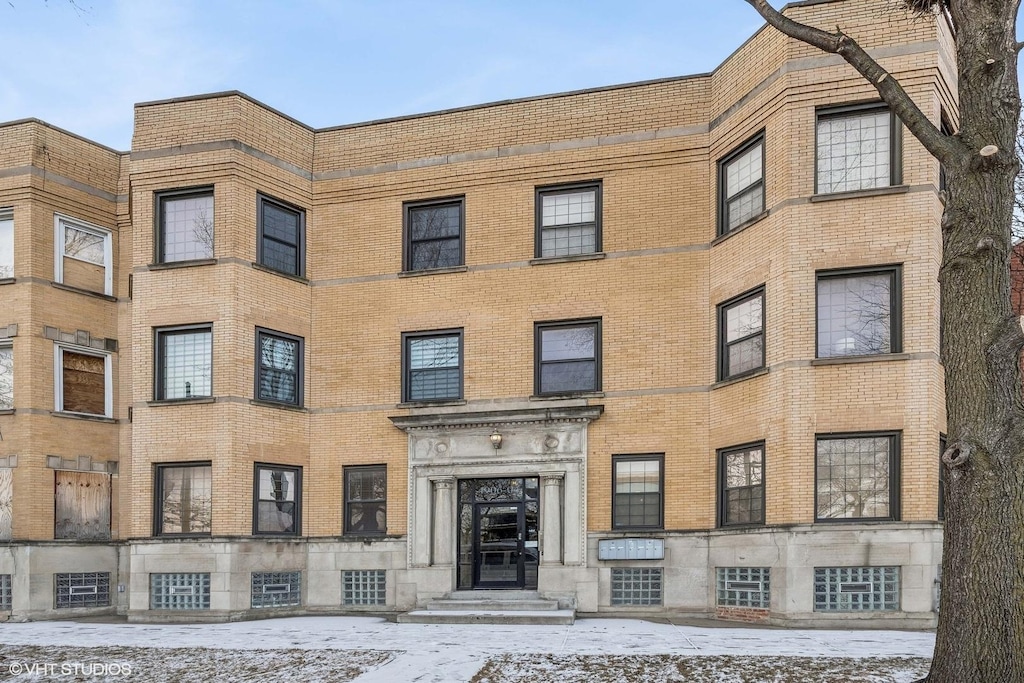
[[491, 607]]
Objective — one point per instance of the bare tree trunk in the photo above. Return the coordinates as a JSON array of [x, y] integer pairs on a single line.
[[980, 636]]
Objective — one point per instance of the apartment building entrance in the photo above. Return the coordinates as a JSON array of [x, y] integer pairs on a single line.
[[498, 533]]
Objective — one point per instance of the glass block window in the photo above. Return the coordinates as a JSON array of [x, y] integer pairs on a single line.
[[741, 335], [363, 587], [366, 494], [185, 225], [636, 586], [433, 234], [744, 587], [276, 589], [741, 185], [858, 312], [179, 591], [856, 476], [279, 367], [81, 589], [741, 478], [855, 149], [856, 589], [433, 366], [184, 362], [6, 593], [281, 236], [637, 496], [569, 220], [567, 357]]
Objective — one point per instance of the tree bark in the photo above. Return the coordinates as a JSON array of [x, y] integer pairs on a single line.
[[980, 637]]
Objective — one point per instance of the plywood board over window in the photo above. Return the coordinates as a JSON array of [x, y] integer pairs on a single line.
[[84, 388], [82, 505], [6, 498]]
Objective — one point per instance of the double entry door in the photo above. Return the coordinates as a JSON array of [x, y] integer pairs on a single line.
[[498, 544]]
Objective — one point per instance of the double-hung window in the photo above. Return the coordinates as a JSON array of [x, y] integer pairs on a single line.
[[434, 234], [432, 366], [83, 255], [857, 476], [567, 357], [184, 225], [184, 362], [278, 498], [366, 493], [859, 311], [568, 220], [183, 498], [279, 366], [741, 335], [637, 485], [857, 149], [82, 381], [281, 236], [741, 185], [6, 244], [6, 374], [741, 485]]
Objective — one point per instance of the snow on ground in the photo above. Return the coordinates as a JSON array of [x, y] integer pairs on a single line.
[[373, 650]]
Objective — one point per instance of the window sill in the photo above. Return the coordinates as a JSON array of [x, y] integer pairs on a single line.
[[433, 271], [6, 411], [739, 378], [171, 265], [288, 276], [430, 404], [873, 358], [741, 227], [568, 394], [282, 406], [79, 290], [82, 416], [544, 260], [7, 280], [181, 401], [275, 535], [855, 194], [364, 537], [857, 520]]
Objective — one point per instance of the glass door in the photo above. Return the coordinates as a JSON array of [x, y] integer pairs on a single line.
[[499, 547]]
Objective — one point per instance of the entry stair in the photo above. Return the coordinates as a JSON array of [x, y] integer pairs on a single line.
[[491, 607]]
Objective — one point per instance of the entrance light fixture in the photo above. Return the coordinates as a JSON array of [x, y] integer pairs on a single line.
[[496, 439]]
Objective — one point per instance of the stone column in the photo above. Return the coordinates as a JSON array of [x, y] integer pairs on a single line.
[[551, 517], [444, 523]]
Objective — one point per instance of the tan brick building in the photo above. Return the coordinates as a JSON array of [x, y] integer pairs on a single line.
[[666, 347]]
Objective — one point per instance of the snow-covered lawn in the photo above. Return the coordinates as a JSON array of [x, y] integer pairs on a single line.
[[372, 650]]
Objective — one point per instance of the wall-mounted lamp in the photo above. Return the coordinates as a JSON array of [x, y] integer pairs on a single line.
[[496, 439]]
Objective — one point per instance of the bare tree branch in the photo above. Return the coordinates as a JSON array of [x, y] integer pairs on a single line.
[[945, 148]]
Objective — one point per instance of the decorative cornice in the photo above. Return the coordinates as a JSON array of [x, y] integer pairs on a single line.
[[497, 418]]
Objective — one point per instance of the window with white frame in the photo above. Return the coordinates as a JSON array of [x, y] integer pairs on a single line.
[[83, 257], [857, 149], [82, 381], [6, 244], [6, 375]]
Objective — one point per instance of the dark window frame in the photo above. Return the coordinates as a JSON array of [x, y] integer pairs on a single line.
[[895, 462], [407, 241], [346, 503], [159, 198], [640, 457], [895, 304], [407, 369], [159, 358], [723, 502], [158, 491], [723, 167], [539, 362], [566, 188], [300, 238], [300, 364], [256, 500], [723, 343], [895, 140]]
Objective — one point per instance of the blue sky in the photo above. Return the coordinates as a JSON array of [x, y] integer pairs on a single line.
[[331, 62]]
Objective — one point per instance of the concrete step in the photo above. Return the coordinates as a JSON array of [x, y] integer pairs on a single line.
[[493, 605], [561, 617], [493, 595]]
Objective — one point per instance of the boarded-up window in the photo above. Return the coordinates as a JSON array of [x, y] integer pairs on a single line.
[[6, 497], [82, 505], [83, 383], [184, 499]]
